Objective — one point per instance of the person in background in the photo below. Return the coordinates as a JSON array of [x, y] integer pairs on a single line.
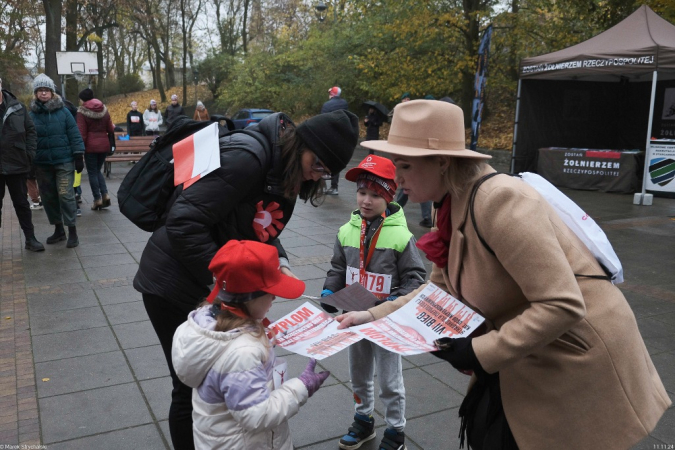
[[224, 354], [334, 103], [201, 113], [152, 119], [373, 122], [560, 363], [402, 197], [375, 244], [18, 141], [135, 125], [60, 152], [95, 125], [78, 189], [173, 111]]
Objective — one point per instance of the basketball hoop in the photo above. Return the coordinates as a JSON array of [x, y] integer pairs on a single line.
[[79, 75]]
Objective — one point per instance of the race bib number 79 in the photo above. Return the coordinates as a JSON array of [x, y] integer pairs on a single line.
[[377, 283]]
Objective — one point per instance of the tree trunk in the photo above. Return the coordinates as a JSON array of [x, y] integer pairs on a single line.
[[158, 63], [244, 25], [513, 57], [53, 10], [71, 46], [184, 32], [152, 68]]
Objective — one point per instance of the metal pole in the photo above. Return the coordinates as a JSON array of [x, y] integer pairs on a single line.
[[515, 130], [642, 198]]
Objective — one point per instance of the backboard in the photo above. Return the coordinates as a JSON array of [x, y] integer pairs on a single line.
[[81, 63]]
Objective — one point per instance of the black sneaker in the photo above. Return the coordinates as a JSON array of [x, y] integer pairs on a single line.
[[426, 223], [332, 191], [361, 431], [393, 440]]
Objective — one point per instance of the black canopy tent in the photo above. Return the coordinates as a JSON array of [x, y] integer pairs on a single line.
[[596, 94]]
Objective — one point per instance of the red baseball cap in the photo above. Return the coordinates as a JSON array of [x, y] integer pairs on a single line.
[[335, 91], [242, 267], [376, 165], [375, 173]]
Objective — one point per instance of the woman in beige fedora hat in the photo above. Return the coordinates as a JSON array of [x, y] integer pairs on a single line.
[[562, 352]]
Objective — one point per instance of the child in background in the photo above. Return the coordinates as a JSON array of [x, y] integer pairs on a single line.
[[135, 124], [222, 351], [152, 119], [375, 248], [201, 113]]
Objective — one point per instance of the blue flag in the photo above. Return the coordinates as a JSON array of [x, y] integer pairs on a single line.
[[479, 85]]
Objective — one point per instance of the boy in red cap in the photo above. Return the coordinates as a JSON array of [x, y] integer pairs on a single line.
[[223, 352], [375, 248]]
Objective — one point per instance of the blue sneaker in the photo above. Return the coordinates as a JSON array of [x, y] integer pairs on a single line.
[[361, 431], [393, 440]]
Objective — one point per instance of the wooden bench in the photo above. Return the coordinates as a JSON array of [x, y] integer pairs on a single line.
[[128, 151]]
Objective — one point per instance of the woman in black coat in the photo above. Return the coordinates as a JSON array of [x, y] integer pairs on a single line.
[[251, 196]]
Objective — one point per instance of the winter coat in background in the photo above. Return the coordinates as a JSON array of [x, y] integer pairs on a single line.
[[152, 120], [334, 104], [235, 403], [373, 127], [202, 115], [70, 107], [395, 254], [135, 124], [58, 138], [18, 138], [573, 368], [94, 123], [236, 201], [171, 114]]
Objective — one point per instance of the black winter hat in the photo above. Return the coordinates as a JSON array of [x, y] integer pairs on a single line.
[[86, 95], [332, 137]]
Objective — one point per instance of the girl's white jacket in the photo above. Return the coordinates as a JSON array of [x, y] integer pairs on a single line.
[[234, 400]]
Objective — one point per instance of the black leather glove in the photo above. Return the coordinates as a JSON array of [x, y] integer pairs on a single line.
[[79, 162], [459, 353]]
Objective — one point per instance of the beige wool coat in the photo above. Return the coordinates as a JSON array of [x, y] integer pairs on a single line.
[[574, 370]]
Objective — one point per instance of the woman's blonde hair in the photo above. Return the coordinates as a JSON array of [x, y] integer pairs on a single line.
[[461, 173]]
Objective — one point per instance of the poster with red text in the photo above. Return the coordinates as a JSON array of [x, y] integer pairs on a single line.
[[311, 332], [430, 315]]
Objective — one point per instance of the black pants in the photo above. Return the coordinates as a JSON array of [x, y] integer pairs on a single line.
[[165, 318], [18, 191], [334, 180]]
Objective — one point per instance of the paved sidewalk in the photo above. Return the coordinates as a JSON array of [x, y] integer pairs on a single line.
[[81, 368]]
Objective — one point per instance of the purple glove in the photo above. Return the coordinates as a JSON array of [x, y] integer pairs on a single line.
[[311, 380]]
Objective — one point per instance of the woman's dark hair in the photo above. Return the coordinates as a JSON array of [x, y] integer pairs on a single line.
[[292, 148]]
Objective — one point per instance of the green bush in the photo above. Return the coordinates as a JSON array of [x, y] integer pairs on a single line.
[[130, 82]]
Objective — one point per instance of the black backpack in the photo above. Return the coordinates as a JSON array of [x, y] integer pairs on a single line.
[[146, 191]]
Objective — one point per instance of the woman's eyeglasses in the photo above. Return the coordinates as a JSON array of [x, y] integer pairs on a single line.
[[319, 167]]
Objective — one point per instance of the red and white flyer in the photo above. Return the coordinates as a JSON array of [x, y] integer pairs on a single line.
[[311, 332], [410, 330], [430, 315]]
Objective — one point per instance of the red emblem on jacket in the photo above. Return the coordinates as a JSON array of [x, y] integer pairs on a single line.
[[265, 222]]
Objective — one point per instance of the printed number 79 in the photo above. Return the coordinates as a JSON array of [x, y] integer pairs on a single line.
[[377, 282]]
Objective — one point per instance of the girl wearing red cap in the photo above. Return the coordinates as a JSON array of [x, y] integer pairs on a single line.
[[375, 248], [222, 352]]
